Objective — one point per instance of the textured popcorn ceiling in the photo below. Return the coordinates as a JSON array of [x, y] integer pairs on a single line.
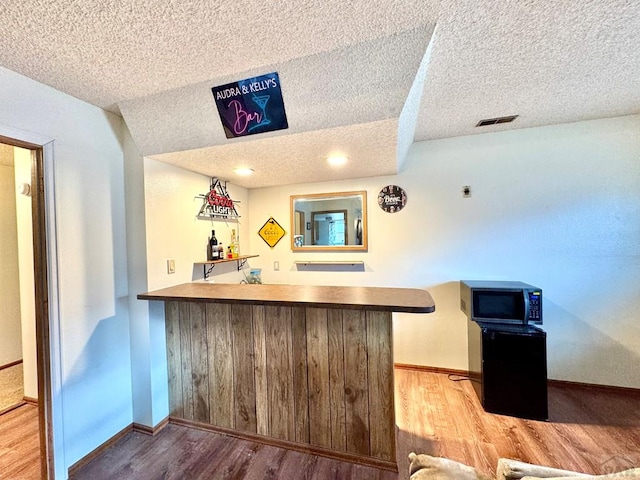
[[346, 70], [322, 91], [301, 157]]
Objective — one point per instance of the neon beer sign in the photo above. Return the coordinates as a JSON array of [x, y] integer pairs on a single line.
[[217, 202]]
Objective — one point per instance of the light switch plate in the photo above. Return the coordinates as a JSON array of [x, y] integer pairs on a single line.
[[171, 266]]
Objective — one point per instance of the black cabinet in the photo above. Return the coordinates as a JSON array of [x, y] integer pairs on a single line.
[[508, 368]]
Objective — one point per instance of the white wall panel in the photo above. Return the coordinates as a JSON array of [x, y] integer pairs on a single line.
[[22, 162]]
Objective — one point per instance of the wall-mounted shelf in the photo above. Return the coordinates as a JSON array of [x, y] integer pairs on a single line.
[[329, 266], [208, 266], [328, 262]]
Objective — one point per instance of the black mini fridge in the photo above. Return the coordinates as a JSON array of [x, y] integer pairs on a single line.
[[508, 368]]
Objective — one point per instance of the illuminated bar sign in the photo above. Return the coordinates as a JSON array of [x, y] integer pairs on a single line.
[[251, 106], [217, 203]]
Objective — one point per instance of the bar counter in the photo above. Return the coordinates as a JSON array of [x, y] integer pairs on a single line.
[[410, 300], [308, 368]]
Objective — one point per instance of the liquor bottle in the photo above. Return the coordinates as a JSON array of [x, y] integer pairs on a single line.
[[234, 243], [220, 252], [213, 245]]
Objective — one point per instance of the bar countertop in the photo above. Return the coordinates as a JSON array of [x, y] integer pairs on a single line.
[[407, 300]]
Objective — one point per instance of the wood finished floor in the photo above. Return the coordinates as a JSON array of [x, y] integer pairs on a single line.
[[20, 444], [589, 430]]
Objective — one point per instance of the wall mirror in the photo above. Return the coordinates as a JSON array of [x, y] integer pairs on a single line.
[[329, 222]]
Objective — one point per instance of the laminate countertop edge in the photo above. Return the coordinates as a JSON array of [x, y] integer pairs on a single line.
[[382, 299]]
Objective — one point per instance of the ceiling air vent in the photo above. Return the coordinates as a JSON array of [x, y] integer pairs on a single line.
[[495, 121]]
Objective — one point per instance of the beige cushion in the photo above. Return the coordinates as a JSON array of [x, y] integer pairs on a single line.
[[513, 470], [632, 474], [426, 467]]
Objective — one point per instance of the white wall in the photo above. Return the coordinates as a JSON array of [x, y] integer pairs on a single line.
[[174, 232], [557, 206], [22, 166], [140, 326], [95, 401], [10, 329]]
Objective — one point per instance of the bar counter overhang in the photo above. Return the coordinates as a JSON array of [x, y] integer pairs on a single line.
[[308, 368]]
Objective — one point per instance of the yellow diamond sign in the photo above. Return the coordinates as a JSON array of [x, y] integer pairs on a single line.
[[271, 232]]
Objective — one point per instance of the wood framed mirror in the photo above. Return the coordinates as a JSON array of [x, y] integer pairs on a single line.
[[329, 222]]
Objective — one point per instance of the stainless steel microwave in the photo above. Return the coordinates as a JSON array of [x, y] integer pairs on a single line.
[[488, 301]]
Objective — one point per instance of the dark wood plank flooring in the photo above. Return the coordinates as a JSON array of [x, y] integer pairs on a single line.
[[590, 430], [20, 444]]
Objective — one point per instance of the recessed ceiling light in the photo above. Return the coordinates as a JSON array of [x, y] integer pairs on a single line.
[[243, 171], [337, 160]]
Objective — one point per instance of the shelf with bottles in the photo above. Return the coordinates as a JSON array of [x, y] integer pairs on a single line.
[[208, 265]]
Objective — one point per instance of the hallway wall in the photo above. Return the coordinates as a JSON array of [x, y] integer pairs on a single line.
[[10, 326], [22, 169]]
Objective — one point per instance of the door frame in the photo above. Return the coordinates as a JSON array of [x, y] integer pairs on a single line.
[[46, 297]]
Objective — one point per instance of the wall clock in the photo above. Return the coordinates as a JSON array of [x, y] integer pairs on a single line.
[[392, 199]]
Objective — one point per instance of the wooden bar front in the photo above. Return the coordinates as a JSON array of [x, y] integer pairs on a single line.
[[318, 380]]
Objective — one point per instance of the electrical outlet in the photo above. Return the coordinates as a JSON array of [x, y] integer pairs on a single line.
[[171, 266], [276, 265], [466, 191]]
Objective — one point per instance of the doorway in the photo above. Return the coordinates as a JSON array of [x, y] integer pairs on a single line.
[[329, 227], [17, 318], [40, 297]]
